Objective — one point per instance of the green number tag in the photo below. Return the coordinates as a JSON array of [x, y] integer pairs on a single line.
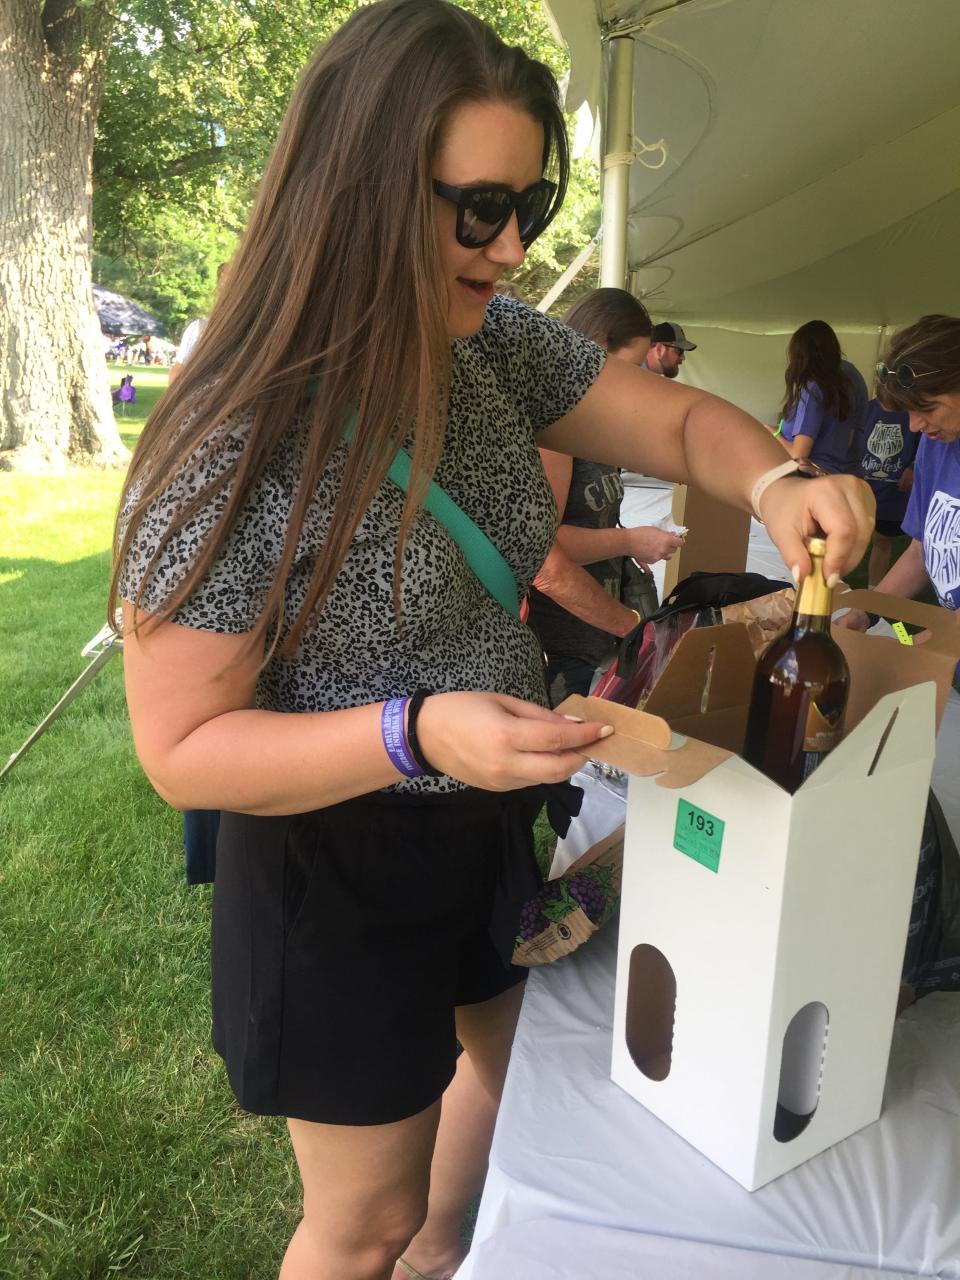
[[698, 834], [902, 634]]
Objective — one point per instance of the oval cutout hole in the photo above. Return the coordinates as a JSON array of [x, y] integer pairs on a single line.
[[801, 1069], [651, 1006]]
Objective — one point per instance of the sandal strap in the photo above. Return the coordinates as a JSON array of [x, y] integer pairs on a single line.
[[412, 1272]]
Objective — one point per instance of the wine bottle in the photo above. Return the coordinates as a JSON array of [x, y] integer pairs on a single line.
[[800, 687]]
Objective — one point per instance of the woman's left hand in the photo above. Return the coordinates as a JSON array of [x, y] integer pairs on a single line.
[[842, 507]]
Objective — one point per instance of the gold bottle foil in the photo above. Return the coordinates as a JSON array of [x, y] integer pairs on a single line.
[[815, 596]]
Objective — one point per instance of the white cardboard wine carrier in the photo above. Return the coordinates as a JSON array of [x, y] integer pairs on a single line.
[[747, 912]]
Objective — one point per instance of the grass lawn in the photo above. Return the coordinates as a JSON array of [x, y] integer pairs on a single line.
[[121, 1151]]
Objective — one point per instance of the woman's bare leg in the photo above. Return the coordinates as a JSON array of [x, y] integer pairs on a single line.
[[364, 1196], [468, 1115]]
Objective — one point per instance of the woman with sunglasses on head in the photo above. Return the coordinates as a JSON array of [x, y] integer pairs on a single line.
[[308, 649], [825, 401], [920, 376]]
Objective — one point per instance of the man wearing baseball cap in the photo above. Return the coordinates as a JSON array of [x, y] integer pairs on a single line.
[[668, 346]]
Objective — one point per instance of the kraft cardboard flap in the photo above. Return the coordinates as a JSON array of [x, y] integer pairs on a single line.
[[898, 730], [704, 690], [881, 665], [711, 669], [640, 743], [717, 538], [943, 624]]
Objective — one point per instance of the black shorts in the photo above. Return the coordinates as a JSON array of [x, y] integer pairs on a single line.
[[888, 528], [344, 939]]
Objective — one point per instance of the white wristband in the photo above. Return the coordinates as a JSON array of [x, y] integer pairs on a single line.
[[775, 473]]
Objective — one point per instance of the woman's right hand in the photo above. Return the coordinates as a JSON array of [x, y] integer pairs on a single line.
[[648, 543], [499, 743], [853, 620]]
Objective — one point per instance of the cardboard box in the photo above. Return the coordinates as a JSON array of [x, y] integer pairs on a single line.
[[717, 541], [762, 934]]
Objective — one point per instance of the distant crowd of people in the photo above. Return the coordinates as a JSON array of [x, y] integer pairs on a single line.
[[146, 350]]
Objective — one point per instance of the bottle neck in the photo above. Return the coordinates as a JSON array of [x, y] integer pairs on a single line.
[[814, 601]]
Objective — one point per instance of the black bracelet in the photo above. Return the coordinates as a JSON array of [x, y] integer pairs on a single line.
[[413, 742]]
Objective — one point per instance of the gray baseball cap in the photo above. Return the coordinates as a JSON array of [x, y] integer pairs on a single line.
[[672, 335]]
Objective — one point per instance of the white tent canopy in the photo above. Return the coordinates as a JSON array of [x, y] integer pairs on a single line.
[[812, 166]]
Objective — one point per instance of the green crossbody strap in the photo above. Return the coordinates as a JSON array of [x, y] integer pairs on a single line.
[[481, 555]]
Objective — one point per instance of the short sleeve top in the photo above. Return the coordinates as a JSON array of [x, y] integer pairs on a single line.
[[833, 438], [933, 515], [521, 372], [887, 449]]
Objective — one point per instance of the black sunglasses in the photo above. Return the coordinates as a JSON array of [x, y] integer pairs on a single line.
[[904, 375], [483, 212]]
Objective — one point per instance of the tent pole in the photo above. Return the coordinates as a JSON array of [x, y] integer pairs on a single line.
[[617, 158]]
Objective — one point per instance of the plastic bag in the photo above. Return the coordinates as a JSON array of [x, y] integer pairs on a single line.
[[702, 600]]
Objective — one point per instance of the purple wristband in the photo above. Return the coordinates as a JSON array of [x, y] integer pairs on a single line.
[[394, 739]]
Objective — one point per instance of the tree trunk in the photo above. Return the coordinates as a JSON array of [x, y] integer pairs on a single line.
[[55, 403]]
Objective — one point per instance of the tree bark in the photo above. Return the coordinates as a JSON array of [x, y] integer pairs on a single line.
[[55, 403]]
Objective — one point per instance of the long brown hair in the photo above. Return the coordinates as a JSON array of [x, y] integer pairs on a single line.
[[931, 348], [335, 300], [814, 355], [612, 317]]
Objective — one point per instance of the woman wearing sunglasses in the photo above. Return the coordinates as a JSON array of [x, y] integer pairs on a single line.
[[920, 376], [825, 401], [308, 649]]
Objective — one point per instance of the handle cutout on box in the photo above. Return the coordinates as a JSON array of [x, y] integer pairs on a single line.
[[801, 1070], [708, 679], [651, 1007], [883, 742]]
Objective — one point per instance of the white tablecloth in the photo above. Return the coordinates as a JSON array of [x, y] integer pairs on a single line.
[[571, 1145], [558, 1250]]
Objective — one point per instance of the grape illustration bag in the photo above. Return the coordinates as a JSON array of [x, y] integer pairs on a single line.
[[582, 889]]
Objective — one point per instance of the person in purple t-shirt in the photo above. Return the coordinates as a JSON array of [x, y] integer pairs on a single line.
[[887, 449], [921, 377], [825, 401]]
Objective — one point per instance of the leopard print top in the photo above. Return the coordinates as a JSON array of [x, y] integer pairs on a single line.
[[519, 374]]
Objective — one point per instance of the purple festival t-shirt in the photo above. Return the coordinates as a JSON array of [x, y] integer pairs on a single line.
[[933, 516], [887, 447], [834, 439]]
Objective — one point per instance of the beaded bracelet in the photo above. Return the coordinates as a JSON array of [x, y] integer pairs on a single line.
[[413, 741]]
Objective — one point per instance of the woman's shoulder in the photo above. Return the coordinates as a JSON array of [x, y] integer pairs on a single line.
[[509, 322], [521, 334], [812, 391], [544, 365]]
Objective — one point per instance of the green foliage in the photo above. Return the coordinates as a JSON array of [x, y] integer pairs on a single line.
[[170, 268], [195, 93]]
